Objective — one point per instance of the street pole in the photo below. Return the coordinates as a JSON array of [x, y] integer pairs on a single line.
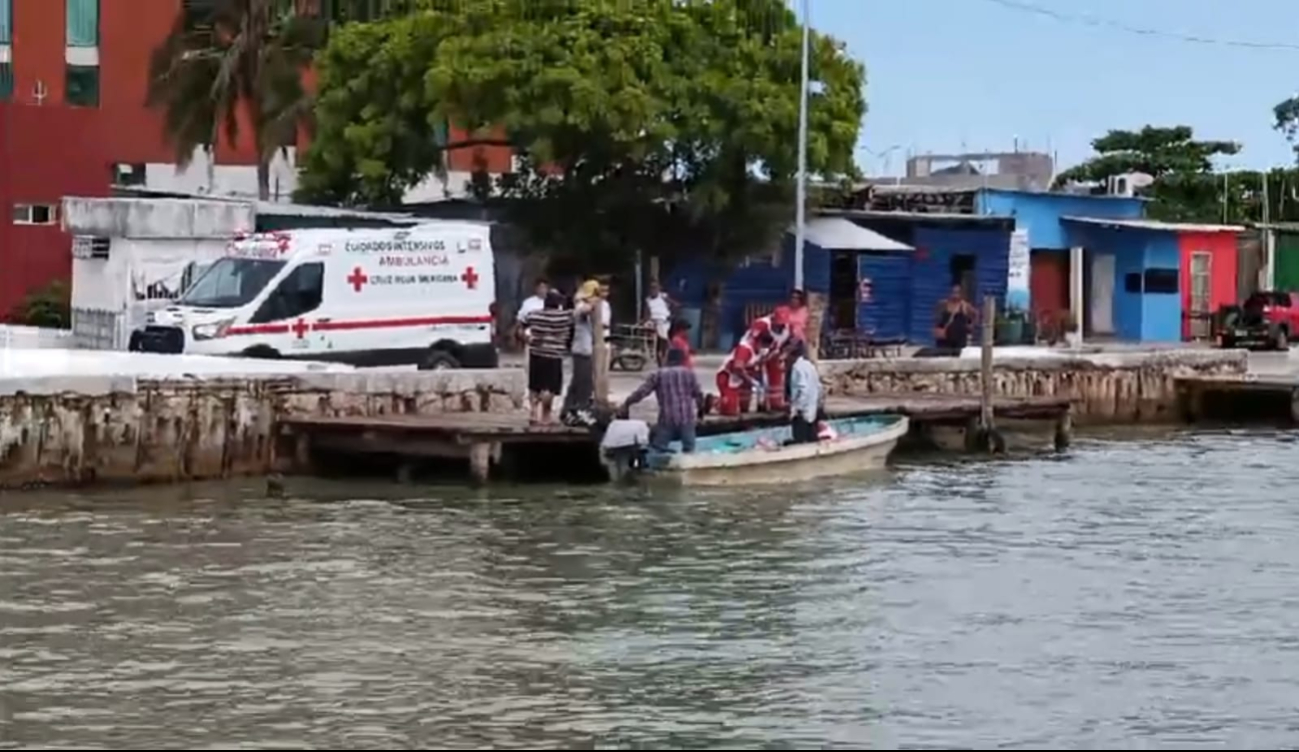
[[801, 197]]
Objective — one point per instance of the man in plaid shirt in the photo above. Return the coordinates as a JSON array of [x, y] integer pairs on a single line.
[[677, 390]]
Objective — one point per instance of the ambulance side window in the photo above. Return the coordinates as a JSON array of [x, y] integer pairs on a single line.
[[297, 295]]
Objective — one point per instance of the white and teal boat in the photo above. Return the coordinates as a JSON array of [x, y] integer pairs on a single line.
[[761, 455]]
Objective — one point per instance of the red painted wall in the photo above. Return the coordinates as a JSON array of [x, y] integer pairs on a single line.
[[52, 150], [46, 153], [129, 30], [1222, 270], [1048, 281]]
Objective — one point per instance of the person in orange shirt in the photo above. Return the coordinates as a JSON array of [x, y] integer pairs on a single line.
[[679, 339], [798, 314]]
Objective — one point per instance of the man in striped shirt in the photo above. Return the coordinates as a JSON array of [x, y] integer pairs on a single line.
[[547, 332]]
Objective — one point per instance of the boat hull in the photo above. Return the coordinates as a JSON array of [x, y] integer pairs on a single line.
[[786, 464]]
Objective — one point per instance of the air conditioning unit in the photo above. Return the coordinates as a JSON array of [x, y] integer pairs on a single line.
[[1127, 184], [125, 173]]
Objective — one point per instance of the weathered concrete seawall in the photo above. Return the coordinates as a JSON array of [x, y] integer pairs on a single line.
[[69, 430], [1104, 388]]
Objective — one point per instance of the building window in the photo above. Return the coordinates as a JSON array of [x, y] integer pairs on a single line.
[[198, 13], [6, 21], [6, 80], [35, 214], [82, 86], [83, 23], [1161, 281]]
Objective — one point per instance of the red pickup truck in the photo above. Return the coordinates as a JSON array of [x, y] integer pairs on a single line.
[[1266, 319]]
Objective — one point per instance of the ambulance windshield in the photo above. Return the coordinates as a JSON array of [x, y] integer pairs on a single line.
[[231, 282]]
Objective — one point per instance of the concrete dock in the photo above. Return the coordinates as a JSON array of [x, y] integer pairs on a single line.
[[492, 442], [1240, 398], [175, 420]]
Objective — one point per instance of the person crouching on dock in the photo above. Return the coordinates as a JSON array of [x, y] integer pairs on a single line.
[[680, 401]]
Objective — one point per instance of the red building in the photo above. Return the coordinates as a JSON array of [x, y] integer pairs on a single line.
[[73, 80], [1209, 274]]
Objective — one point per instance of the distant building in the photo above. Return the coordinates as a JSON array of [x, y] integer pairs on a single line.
[[1013, 170], [73, 122]]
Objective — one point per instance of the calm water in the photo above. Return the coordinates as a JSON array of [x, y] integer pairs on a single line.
[[1130, 594]]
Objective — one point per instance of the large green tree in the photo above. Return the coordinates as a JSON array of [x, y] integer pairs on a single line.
[[1185, 186], [244, 56], [632, 118]]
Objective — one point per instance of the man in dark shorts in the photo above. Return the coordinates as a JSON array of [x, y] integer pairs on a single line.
[[547, 331]]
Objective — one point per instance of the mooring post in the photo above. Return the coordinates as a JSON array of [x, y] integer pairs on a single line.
[[599, 353], [986, 419], [480, 461], [1064, 430]]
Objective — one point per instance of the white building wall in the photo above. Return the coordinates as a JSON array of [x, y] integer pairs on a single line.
[[202, 178]]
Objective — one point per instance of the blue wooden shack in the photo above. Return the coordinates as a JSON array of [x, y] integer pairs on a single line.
[[830, 266], [902, 291]]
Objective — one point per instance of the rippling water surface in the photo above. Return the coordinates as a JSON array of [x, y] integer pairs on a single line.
[[1140, 594]]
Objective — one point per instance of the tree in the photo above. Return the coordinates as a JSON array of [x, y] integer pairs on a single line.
[[1185, 187], [635, 121], [49, 307], [246, 57]]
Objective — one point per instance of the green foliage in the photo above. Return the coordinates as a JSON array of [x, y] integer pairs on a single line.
[[1185, 188], [1154, 151], [49, 307], [638, 122], [249, 55]]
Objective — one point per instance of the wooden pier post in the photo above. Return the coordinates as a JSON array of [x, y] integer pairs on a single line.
[[1064, 430], [480, 462], [599, 354], [988, 438]]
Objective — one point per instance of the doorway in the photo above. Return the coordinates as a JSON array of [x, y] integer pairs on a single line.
[[1201, 308], [962, 268], [1102, 294], [842, 308]]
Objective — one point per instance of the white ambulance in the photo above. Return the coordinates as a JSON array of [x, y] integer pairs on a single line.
[[422, 295]]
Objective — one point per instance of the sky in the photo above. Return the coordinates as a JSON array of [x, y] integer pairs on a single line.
[[972, 75]]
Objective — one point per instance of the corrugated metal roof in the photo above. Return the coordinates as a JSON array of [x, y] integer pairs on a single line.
[[1281, 226], [934, 217], [1154, 224], [839, 234]]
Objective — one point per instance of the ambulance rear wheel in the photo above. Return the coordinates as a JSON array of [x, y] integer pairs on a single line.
[[264, 352], [438, 360]]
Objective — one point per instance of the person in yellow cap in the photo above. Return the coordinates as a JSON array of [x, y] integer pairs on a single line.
[[581, 390]]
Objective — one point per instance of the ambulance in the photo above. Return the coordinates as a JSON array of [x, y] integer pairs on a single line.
[[421, 295]]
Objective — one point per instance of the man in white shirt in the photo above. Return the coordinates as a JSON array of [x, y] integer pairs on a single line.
[[658, 312], [805, 395]]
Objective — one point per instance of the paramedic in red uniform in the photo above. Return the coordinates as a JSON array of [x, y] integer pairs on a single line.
[[759, 352]]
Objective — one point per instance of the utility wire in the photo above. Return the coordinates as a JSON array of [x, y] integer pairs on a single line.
[[1147, 32]]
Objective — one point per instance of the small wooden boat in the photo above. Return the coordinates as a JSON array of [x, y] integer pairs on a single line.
[[760, 456]]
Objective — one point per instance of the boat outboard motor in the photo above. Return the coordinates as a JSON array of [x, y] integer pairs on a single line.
[[624, 448]]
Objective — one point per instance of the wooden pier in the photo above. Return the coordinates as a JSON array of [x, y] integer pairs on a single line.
[[1239, 398], [484, 439]]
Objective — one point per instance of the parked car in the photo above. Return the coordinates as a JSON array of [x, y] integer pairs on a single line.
[[1264, 320]]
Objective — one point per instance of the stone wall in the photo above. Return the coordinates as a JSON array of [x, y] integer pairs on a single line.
[[1105, 388], [66, 430]]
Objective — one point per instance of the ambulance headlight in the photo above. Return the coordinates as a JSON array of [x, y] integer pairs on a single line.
[[214, 330]]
